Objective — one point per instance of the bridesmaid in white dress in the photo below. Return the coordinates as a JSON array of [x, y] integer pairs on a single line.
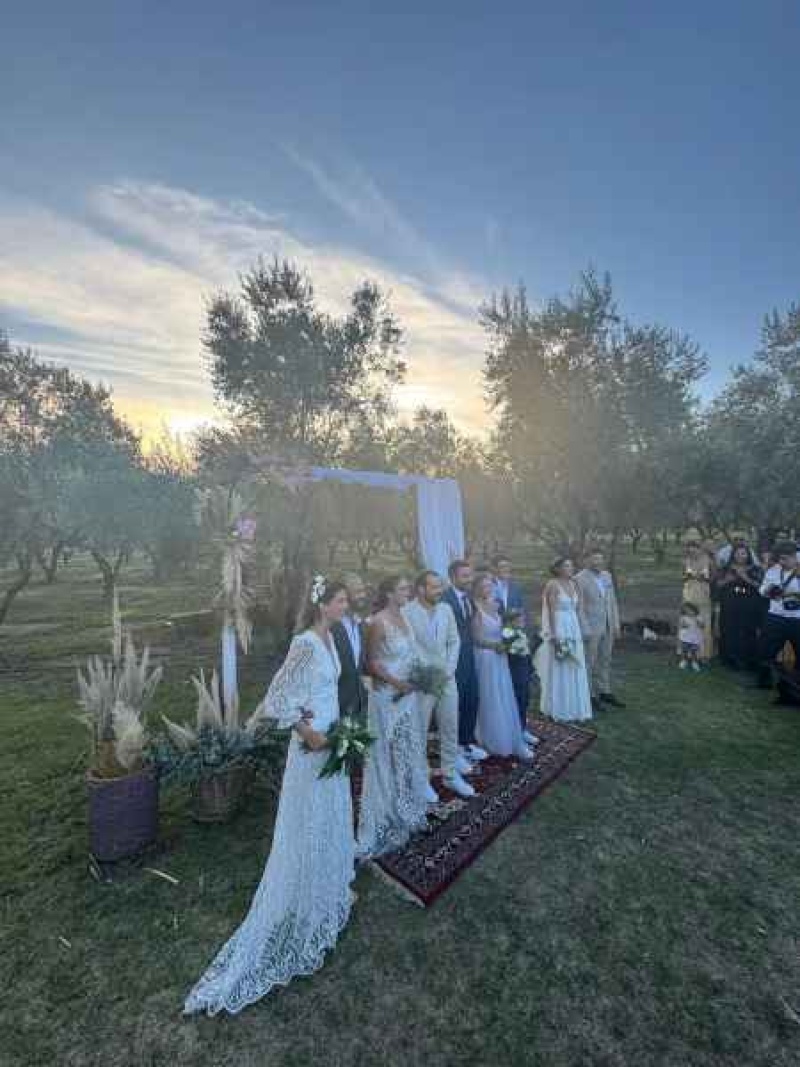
[[394, 801], [565, 693], [499, 728], [564, 681], [304, 898]]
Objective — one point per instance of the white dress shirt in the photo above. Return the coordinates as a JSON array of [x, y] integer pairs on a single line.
[[352, 625], [778, 576]]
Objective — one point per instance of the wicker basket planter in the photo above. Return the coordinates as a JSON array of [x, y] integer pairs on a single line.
[[123, 814], [217, 797]]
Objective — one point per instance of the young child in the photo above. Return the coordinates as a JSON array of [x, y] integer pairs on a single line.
[[522, 673], [690, 637]]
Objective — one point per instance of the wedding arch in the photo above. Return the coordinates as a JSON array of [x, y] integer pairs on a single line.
[[440, 530], [440, 512]]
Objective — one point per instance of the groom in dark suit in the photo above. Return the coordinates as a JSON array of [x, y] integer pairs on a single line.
[[348, 636], [459, 599]]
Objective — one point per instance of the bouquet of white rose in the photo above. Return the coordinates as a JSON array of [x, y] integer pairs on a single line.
[[564, 648], [348, 742], [515, 641]]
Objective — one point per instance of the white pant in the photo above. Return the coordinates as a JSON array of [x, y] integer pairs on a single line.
[[599, 648], [446, 710]]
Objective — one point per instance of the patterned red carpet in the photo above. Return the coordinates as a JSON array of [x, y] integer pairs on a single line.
[[459, 830]]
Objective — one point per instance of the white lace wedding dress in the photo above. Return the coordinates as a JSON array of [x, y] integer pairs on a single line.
[[393, 801], [565, 691], [304, 898], [499, 728]]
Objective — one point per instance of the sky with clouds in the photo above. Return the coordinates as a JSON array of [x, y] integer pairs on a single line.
[[152, 152]]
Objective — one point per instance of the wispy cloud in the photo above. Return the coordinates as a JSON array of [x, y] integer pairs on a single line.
[[120, 296]]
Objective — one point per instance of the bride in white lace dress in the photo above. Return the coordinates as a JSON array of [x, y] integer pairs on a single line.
[[394, 798], [304, 898], [560, 660]]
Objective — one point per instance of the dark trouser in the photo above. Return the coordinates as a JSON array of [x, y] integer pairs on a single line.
[[739, 622], [521, 675], [777, 631], [467, 683]]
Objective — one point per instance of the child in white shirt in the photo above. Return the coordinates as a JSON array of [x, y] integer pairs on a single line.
[[690, 637]]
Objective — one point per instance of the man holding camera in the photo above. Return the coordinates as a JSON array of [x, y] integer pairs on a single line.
[[781, 586]]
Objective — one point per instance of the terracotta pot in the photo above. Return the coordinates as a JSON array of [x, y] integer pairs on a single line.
[[218, 797], [123, 814]]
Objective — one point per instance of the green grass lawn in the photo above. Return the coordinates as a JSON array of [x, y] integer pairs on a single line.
[[644, 911]]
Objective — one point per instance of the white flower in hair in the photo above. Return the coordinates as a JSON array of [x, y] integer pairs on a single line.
[[318, 588]]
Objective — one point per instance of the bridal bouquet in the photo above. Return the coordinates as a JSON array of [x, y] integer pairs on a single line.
[[348, 742], [564, 648], [515, 641], [426, 678]]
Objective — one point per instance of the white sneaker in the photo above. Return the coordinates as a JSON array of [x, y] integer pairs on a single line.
[[696, 667], [458, 786], [463, 765], [476, 753], [431, 795], [682, 665], [525, 754], [528, 738]]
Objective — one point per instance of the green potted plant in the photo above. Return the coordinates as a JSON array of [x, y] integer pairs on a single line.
[[217, 756], [122, 781]]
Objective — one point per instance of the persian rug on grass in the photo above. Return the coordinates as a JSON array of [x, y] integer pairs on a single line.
[[459, 830]]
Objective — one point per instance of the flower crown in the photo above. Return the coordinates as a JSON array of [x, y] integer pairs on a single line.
[[319, 586]]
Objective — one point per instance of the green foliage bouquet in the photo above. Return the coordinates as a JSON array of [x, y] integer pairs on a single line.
[[428, 678], [348, 742]]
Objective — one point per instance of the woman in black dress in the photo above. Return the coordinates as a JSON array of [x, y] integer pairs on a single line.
[[740, 610]]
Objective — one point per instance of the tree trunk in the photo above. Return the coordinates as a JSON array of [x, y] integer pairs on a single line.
[[612, 551], [659, 548], [49, 563], [364, 550], [25, 567], [109, 571]]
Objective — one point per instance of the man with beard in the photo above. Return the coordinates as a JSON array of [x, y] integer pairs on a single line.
[[348, 636], [436, 632], [459, 599]]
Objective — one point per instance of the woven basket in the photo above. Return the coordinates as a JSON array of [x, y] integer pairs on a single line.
[[218, 797], [123, 814]]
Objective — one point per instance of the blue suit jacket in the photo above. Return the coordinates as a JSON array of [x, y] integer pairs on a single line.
[[515, 600]]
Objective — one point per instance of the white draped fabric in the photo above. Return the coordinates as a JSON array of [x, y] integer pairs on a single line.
[[440, 513]]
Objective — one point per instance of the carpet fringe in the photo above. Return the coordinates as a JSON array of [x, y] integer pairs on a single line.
[[398, 887]]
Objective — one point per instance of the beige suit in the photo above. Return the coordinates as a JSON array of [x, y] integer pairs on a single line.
[[436, 633], [599, 617]]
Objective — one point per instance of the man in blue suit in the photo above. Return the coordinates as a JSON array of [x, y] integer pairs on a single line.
[[507, 591], [459, 598], [511, 601]]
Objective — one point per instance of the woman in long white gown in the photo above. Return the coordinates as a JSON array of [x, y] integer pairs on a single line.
[[499, 728], [304, 898], [394, 799], [560, 660]]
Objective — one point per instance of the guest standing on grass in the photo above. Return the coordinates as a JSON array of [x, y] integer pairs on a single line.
[[304, 898], [698, 576], [395, 801], [741, 610], [599, 616], [781, 586], [499, 729], [436, 633], [560, 660], [459, 599], [690, 638]]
